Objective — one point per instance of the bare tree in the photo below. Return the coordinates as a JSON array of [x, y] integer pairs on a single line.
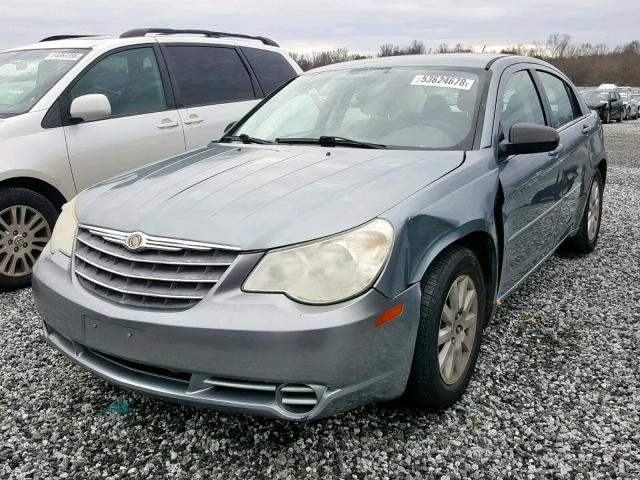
[[557, 44]]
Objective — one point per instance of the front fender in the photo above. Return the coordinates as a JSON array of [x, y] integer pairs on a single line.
[[30, 151], [461, 203]]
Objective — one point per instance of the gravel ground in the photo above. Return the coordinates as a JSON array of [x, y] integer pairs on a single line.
[[556, 391]]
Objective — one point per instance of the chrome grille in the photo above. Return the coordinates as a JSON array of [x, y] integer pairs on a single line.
[[162, 273]]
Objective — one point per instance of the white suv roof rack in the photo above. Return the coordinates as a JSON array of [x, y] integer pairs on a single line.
[[141, 32]]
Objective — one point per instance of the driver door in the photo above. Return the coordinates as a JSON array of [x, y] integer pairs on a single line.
[[142, 127], [531, 184]]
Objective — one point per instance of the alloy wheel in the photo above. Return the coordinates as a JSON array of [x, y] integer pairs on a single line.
[[24, 232], [593, 214], [457, 332]]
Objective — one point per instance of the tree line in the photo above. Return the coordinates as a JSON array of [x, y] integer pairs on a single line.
[[585, 64]]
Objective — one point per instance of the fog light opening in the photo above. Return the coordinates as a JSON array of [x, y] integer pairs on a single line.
[[297, 398]]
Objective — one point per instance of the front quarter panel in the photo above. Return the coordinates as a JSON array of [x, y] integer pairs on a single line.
[[460, 203], [28, 150]]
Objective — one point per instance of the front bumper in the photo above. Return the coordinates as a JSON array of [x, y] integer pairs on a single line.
[[254, 353]]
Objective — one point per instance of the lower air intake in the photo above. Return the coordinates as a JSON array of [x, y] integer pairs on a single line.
[[297, 398]]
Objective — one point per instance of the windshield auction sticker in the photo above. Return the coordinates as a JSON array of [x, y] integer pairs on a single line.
[[445, 81], [73, 56]]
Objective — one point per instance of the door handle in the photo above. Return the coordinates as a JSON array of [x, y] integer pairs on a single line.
[[168, 123], [557, 151], [193, 119], [586, 129]]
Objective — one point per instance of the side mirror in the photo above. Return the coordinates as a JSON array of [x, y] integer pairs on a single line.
[[527, 138], [229, 127], [87, 108]]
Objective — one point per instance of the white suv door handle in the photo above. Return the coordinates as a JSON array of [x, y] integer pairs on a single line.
[[168, 123], [193, 119]]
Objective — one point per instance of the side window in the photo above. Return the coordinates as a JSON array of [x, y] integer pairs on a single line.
[[520, 102], [271, 68], [562, 109], [206, 75], [130, 79]]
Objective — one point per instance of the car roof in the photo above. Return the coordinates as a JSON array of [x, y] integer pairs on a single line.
[[455, 60], [84, 42], [107, 40], [477, 60]]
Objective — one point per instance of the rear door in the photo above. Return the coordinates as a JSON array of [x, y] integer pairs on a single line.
[[143, 126], [530, 183], [213, 87], [574, 129]]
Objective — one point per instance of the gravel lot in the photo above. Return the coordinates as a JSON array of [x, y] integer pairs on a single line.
[[556, 391]]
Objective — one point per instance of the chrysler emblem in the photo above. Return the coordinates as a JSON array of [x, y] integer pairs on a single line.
[[134, 241]]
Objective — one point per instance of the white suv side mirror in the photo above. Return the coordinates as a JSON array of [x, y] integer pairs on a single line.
[[94, 106]]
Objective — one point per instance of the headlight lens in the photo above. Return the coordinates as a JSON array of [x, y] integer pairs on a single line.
[[65, 229], [328, 270]]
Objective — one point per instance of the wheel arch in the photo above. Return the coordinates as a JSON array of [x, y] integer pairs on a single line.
[[42, 187], [482, 239]]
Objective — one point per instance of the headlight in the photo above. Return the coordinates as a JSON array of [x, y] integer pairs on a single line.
[[65, 229], [329, 270]]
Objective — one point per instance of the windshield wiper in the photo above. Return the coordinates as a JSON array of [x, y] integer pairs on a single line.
[[329, 141], [244, 138]]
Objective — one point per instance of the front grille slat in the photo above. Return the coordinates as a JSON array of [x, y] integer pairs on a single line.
[[150, 277], [217, 258]]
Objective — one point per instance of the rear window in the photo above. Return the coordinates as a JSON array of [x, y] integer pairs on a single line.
[[271, 68], [205, 75]]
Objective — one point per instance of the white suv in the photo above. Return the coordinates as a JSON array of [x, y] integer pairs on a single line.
[[75, 110]]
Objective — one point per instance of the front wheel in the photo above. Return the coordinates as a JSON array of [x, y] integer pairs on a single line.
[[607, 117], [452, 316], [26, 222], [585, 240]]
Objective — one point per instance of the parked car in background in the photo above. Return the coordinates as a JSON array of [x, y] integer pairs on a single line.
[[630, 106], [344, 243], [607, 103], [77, 110]]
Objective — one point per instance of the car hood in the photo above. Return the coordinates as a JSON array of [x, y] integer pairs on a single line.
[[258, 197], [596, 103]]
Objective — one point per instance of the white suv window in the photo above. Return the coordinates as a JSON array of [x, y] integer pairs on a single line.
[[130, 79], [204, 75]]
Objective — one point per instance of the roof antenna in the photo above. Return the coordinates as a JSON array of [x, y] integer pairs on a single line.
[[483, 48]]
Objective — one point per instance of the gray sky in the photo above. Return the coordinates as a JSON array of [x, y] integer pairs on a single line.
[[360, 25]]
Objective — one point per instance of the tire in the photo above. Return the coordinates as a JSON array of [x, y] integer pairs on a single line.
[[427, 387], [619, 120], [607, 117], [18, 208], [585, 240]]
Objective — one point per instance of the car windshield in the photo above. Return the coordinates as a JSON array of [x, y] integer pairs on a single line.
[[398, 107], [596, 95], [26, 75]]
